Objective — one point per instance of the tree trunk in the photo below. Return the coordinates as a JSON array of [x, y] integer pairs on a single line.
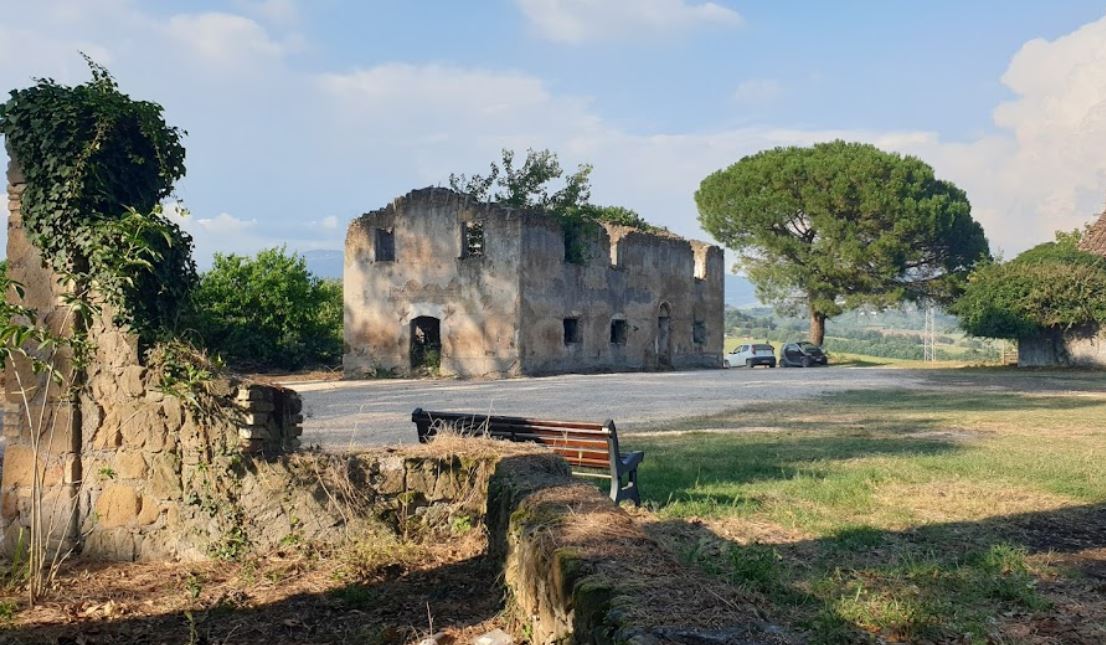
[[817, 327]]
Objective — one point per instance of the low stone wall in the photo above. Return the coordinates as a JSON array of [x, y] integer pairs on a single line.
[[578, 569]]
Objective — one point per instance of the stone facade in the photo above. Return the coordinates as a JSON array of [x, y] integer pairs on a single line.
[[438, 282]]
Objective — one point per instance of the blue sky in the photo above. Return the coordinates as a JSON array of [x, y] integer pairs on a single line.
[[302, 115]]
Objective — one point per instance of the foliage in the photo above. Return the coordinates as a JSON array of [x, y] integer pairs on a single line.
[[529, 187], [840, 225], [1051, 286], [268, 311], [97, 163]]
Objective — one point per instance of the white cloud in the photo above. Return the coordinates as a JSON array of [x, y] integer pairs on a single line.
[[330, 222], [224, 40], [757, 91], [578, 21], [225, 224]]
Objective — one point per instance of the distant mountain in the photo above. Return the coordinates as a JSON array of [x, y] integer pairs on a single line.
[[739, 292], [325, 263]]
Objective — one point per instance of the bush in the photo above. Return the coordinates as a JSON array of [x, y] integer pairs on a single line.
[[268, 312], [1051, 286]]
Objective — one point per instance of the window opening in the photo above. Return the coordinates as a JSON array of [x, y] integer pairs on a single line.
[[384, 246], [572, 331], [473, 239], [619, 330]]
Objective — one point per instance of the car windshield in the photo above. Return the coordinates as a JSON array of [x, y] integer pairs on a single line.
[[807, 345], [761, 348]]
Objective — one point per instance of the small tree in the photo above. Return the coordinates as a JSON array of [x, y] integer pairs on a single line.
[[1051, 286], [268, 311], [530, 186], [840, 225]]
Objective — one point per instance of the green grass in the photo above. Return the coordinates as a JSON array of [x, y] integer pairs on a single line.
[[896, 513]]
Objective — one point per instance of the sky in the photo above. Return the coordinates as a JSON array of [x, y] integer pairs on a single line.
[[302, 114]]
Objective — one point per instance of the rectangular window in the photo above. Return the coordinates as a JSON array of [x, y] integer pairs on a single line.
[[699, 332], [572, 331], [619, 329], [472, 240], [384, 246]]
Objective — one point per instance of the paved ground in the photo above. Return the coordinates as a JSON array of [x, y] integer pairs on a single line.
[[349, 414]]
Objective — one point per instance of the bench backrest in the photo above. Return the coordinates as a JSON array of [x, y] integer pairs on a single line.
[[582, 444]]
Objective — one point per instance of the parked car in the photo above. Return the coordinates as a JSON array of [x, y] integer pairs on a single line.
[[802, 354], [752, 355]]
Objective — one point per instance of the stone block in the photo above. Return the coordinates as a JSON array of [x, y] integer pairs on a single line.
[[164, 480], [392, 474], [148, 512], [117, 544], [117, 506], [130, 465], [134, 380], [18, 466], [258, 406], [174, 412]]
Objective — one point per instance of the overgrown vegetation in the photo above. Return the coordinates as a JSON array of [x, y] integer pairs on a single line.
[[1053, 286], [268, 312], [97, 163], [530, 186], [959, 510]]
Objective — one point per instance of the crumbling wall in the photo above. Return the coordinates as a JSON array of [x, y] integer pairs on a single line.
[[579, 570], [626, 275], [1076, 347], [503, 311], [473, 296], [123, 462]]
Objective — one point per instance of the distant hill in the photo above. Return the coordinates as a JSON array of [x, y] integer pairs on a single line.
[[325, 263]]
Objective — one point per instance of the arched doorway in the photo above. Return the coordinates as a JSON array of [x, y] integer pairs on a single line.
[[664, 336], [426, 344]]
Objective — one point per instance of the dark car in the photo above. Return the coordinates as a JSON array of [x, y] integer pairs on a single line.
[[802, 354]]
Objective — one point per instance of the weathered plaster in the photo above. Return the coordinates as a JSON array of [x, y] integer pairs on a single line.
[[502, 313]]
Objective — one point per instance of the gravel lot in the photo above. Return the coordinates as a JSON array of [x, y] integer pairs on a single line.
[[348, 414]]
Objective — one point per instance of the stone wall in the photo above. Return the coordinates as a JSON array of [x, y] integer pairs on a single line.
[[475, 298], [121, 463], [578, 569], [503, 311], [1078, 347], [629, 276]]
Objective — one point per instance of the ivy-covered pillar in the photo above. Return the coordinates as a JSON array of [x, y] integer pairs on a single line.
[[41, 419]]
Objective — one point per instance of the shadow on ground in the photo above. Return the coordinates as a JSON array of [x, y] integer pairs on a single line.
[[937, 583]]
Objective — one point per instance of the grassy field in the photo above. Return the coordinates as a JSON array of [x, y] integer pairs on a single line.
[[970, 510]]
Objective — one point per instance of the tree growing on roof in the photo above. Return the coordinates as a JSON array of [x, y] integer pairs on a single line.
[[839, 225]]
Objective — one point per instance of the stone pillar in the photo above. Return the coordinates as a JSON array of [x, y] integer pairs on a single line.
[[32, 400], [130, 471]]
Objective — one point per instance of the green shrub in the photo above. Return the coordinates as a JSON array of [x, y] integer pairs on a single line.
[[1051, 286], [268, 311]]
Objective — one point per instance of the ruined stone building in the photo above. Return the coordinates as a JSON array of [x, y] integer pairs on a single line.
[[437, 282]]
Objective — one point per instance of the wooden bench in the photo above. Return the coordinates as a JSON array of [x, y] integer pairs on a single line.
[[591, 449]]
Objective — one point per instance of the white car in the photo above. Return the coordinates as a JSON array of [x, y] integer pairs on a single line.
[[752, 355]]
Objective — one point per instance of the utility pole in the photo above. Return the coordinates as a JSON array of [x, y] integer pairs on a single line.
[[929, 336]]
